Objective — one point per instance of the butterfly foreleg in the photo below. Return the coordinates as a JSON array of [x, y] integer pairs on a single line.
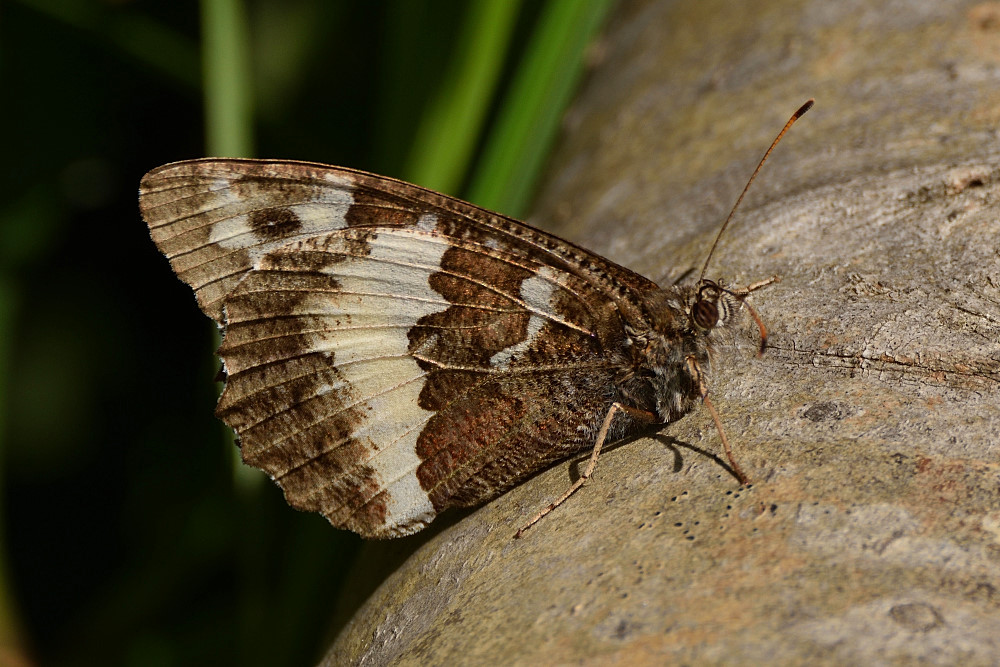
[[602, 435], [703, 390]]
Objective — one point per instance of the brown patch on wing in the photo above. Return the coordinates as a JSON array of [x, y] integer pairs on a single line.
[[483, 320], [264, 321], [351, 243], [292, 409], [303, 439], [461, 220], [272, 224], [493, 435], [378, 208], [188, 204], [381, 201], [492, 429], [459, 434]]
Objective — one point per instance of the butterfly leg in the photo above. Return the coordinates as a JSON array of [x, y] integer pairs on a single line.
[[753, 287], [703, 390], [602, 435], [741, 294]]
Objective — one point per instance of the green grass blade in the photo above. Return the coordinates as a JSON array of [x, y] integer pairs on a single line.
[[229, 126], [227, 79], [453, 120], [529, 120]]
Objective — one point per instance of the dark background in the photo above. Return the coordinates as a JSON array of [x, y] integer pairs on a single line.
[[131, 533]]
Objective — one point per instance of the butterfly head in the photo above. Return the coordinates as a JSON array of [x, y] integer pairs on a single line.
[[712, 306], [672, 349]]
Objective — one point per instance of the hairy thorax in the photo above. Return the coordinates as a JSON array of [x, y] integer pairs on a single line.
[[670, 351]]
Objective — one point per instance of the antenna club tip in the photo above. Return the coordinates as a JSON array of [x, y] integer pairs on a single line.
[[804, 108]]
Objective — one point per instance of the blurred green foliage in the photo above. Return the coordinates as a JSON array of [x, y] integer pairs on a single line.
[[126, 539]]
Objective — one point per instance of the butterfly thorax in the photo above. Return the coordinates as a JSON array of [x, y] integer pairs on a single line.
[[669, 346]]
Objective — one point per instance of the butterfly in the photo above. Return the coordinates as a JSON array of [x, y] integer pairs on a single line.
[[390, 352]]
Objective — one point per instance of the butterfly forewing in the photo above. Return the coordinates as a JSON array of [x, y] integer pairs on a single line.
[[390, 351]]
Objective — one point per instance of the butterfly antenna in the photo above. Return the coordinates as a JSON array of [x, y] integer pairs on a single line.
[[795, 116]]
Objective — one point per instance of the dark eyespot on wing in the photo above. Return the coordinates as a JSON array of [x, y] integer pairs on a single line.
[[274, 224]]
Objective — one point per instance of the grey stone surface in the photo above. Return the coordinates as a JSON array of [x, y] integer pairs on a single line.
[[871, 428]]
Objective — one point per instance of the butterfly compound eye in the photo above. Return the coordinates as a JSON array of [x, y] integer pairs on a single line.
[[705, 314]]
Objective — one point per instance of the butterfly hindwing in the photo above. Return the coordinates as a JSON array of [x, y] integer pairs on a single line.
[[389, 351]]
